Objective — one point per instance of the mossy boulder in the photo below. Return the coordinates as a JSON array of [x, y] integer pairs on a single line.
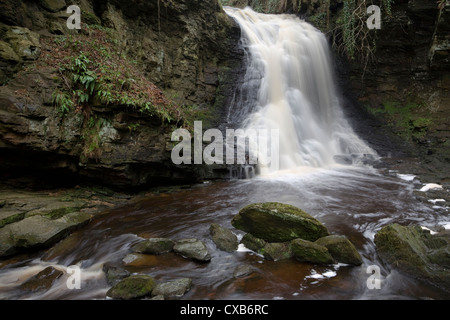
[[154, 246], [133, 287], [278, 222], [307, 251], [277, 251], [253, 243], [224, 238], [416, 252], [341, 249]]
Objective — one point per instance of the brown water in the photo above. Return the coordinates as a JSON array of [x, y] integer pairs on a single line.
[[356, 202]]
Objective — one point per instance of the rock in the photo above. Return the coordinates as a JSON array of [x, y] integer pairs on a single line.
[[224, 239], [38, 231], [277, 251], [173, 289], [192, 249], [43, 280], [154, 246], [243, 270], [132, 287], [341, 249], [416, 252], [114, 274], [53, 5], [307, 251], [24, 42], [253, 243], [277, 222]]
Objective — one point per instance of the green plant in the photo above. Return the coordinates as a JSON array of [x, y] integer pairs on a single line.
[[352, 37], [62, 100], [83, 76]]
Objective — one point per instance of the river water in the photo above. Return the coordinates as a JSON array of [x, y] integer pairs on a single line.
[[353, 201], [288, 87]]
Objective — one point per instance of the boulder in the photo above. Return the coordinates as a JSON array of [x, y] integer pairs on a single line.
[[224, 238], [341, 249], [278, 222], [253, 243], [277, 251], [307, 251], [173, 289], [154, 246], [114, 274], [192, 249], [416, 252], [132, 287]]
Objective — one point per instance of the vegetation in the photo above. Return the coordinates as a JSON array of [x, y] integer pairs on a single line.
[[352, 37], [95, 71], [404, 118]]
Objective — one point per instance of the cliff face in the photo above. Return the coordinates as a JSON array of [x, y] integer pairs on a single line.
[[188, 49], [407, 89]]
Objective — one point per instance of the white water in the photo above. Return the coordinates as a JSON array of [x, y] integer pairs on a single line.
[[289, 67]]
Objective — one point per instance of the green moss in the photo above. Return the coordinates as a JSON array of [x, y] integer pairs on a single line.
[[133, 287], [12, 219], [60, 212], [310, 252], [405, 119], [278, 222]]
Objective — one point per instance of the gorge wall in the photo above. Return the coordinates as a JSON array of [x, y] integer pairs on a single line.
[[186, 51]]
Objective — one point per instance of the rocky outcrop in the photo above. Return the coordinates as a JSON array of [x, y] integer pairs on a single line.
[[416, 252], [189, 49], [31, 220]]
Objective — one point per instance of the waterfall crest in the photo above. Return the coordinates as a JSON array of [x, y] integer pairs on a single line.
[[289, 86]]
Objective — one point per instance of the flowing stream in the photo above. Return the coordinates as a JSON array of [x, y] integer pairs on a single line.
[[288, 86]]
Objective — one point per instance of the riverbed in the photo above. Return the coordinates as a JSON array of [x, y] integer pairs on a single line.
[[352, 201]]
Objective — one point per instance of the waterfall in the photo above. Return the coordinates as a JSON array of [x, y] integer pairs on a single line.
[[289, 86]]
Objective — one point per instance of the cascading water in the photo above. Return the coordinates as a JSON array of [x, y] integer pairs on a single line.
[[290, 71]]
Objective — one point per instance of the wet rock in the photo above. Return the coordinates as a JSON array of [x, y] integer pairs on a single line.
[[224, 238], [39, 231], [114, 274], [243, 270], [154, 246], [277, 222], [277, 251], [132, 287], [341, 249], [307, 251], [43, 280], [416, 252], [253, 243], [192, 249], [173, 289]]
